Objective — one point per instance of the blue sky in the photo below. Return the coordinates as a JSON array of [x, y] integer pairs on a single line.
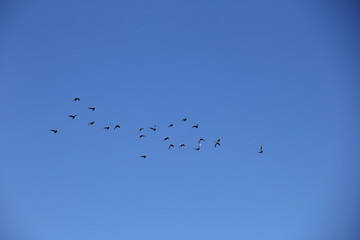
[[281, 74]]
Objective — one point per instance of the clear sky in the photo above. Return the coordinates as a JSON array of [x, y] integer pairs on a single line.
[[281, 74]]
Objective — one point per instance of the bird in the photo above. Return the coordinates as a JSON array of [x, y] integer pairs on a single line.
[[182, 145], [197, 149], [184, 119], [171, 125], [195, 126], [201, 139], [141, 136], [141, 129], [171, 145], [117, 126], [217, 144], [91, 123], [76, 99], [153, 128], [143, 156], [261, 150], [106, 127], [218, 140], [167, 138], [54, 130], [91, 108], [72, 116]]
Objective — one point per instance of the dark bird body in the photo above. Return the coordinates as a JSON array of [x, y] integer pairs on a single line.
[[171, 125], [54, 130], [184, 119], [143, 156], [117, 126], [167, 138], [72, 116], [195, 126], [182, 145], [153, 128], [76, 99], [197, 149], [217, 144], [201, 139], [261, 150], [106, 127], [91, 108], [171, 146], [141, 136], [91, 123], [141, 129]]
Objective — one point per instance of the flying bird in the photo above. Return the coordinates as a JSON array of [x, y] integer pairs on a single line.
[[195, 126], [91, 123], [184, 119], [143, 156], [171, 125], [261, 150], [218, 140], [201, 139], [54, 130], [217, 144], [182, 145], [106, 127], [141, 136], [76, 99], [92, 108], [117, 126], [197, 149], [141, 129], [171, 145], [72, 116], [167, 138], [153, 128]]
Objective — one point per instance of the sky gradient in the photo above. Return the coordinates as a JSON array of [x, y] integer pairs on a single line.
[[281, 74]]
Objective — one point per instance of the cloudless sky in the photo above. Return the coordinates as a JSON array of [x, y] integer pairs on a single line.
[[281, 74]]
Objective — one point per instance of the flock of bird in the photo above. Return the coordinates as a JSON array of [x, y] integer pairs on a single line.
[[216, 144]]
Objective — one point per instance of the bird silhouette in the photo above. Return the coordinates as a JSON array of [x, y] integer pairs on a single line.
[[141, 129], [184, 119], [217, 144], [261, 150], [106, 127], [72, 116], [91, 123], [117, 126], [153, 128], [141, 136], [167, 138], [218, 140], [195, 126], [76, 99], [54, 130], [92, 108], [182, 145], [171, 125], [201, 139], [171, 146], [197, 149], [143, 156]]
